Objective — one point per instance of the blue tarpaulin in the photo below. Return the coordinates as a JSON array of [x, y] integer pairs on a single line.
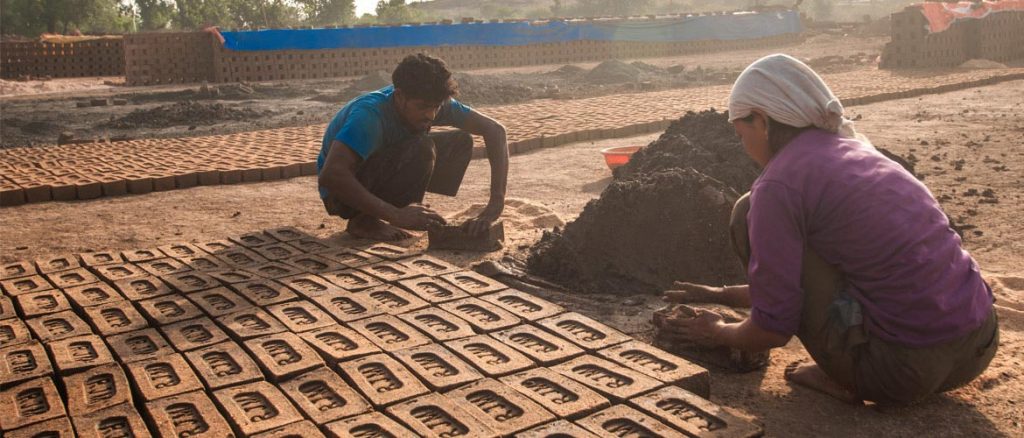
[[704, 27]]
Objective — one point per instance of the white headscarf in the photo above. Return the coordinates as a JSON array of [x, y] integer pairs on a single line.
[[789, 92]]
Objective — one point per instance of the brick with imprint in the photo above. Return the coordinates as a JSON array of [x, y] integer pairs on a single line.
[[473, 283], [219, 301], [350, 258], [373, 424], [233, 275], [500, 407], [557, 429], [614, 381], [90, 295], [13, 332], [23, 362], [301, 316], [250, 323], [252, 240], [164, 266], [583, 331], [561, 395], [347, 307], [25, 285], [693, 415], [382, 379], [223, 365], [96, 389], [389, 333], [483, 316], [391, 272], [192, 281], [139, 345], [7, 308], [324, 397], [55, 428], [141, 288], [523, 305], [283, 355], [217, 246], [191, 414], [302, 429], [194, 333], [311, 285], [168, 309], [393, 300], [142, 255], [23, 268], [205, 262], [439, 368], [115, 318], [41, 303], [274, 270], [119, 271], [264, 292], [436, 416], [58, 325], [430, 266], [492, 357], [30, 402], [537, 344], [162, 376], [71, 355], [119, 421], [338, 344], [660, 365], [277, 251], [312, 263], [352, 279], [433, 290], [72, 277], [100, 258], [57, 263], [241, 257], [256, 407], [439, 324], [310, 245], [286, 234], [388, 251], [182, 250], [622, 420]]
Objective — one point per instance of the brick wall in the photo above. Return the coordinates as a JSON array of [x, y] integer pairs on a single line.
[[998, 37], [168, 58], [100, 57]]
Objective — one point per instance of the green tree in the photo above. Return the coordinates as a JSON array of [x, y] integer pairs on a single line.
[[154, 14], [612, 7], [329, 12], [32, 17], [397, 11], [194, 14], [263, 13]]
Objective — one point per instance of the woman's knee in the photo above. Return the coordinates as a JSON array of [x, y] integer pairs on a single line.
[[738, 230]]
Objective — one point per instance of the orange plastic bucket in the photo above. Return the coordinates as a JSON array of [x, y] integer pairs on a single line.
[[615, 157]]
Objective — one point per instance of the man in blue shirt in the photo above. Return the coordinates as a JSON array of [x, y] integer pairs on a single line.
[[379, 158]]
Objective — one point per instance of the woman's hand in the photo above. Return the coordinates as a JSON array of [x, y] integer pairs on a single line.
[[701, 330]]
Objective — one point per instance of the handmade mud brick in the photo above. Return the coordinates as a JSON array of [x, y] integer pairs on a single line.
[[217, 246], [256, 407], [391, 272], [41, 303], [373, 424], [230, 176], [250, 323], [430, 265], [558, 429], [57, 263], [164, 183], [252, 240], [264, 292], [182, 250], [301, 429], [301, 316], [139, 345], [208, 178], [163, 267], [436, 416], [55, 428], [194, 333], [17, 270], [25, 285], [622, 420], [75, 354], [500, 407], [457, 238], [168, 309], [616, 382], [433, 290], [693, 415], [388, 251], [141, 288], [523, 305], [252, 175], [142, 255], [241, 257], [660, 365], [58, 325], [140, 186], [310, 245], [483, 316], [117, 272], [205, 263], [7, 308], [389, 333], [283, 355], [394, 300], [337, 344], [232, 276], [163, 376], [223, 365], [537, 344], [561, 395], [312, 263], [72, 277], [275, 270], [219, 301], [13, 332], [277, 251], [101, 258], [473, 283], [286, 234], [324, 397], [191, 281], [440, 325], [119, 421], [187, 415], [439, 368], [351, 258], [351, 279], [311, 285], [95, 294], [96, 389], [22, 362], [347, 306], [30, 402], [381, 379], [583, 331], [489, 355]]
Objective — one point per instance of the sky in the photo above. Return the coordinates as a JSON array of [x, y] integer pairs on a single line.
[[367, 6]]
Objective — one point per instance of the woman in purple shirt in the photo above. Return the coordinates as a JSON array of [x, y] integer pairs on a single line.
[[844, 249]]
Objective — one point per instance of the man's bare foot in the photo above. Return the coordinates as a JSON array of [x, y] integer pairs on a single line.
[[371, 228], [811, 376]]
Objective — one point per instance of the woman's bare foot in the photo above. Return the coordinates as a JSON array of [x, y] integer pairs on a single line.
[[371, 228], [811, 376]]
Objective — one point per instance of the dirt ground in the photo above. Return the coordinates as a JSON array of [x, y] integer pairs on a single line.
[[967, 144]]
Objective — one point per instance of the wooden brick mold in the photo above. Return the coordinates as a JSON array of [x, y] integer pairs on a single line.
[[501, 408], [661, 365], [622, 420], [337, 344], [96, 389], [561, 395], [121, 420], [324, 397], [373, 424], [692, 415], [436, 416], [256, 407], [30, 402], [223, 365], [23, 362], [187, 415], [612, 380], [381, 379]]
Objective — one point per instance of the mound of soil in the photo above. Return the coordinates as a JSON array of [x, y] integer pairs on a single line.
[[183, 113], [481, 89], [613, 72], [371, 82]]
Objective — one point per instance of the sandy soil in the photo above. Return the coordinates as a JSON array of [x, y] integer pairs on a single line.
[[981, 126]]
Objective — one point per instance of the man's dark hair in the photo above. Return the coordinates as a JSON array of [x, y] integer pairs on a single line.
[[424, 77]]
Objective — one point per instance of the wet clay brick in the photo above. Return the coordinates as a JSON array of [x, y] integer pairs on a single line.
[[614, 381], [501, 408], [163, 267], [660, 365], [558, 429], [430, 265], [351, 279], [473, 283], [388, 251], [142, 255], [219, 301], [264, 292], [189, 282], [693, 415], [241, 257], [433, 290], [337, 344], [194, 333], [391, 272], [312, 263], [523, 305], [163, 376], [250, 323], [373, 424], [583, 331], [17, 269], [25, 285], [169, 309], [55, 428], [7, 308], [381, 379], [456, 237], [252, 240], [57, 263], [389, 333], [205, 263], [256, 407], [139, 345], [13, 332], [96, 389], [182, 250], [75, 354], [278, 251], [283, 355], [115, 318], [565, 397], [119, 421], [301, 316], [42, 303], [58, 325], [217, 246], [324, 397], [440, 325], [439, 368], [142, 288], [72, 277], [120, 271], [187, 415], [95, 294], [275, 270], [622, 420], [310, 245], [286, 234], [537, 344], [489, 355], [350, 258], [436, 416], [22, 362], [483, 316], [232, 276], [30, 402], [310, 285], [101, 258], [347, 307], [302, 429], [393, 300], [223, 365]]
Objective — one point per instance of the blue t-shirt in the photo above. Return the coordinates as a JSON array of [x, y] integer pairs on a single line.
[[370, 122]]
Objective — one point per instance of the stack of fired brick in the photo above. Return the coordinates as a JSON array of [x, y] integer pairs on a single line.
[[997, 37], [665, 217], [277, 333]]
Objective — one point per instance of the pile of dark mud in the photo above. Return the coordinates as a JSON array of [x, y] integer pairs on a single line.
[[187, 113], [613, 71]]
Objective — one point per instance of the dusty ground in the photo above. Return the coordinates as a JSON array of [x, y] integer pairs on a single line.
[[982, 127]]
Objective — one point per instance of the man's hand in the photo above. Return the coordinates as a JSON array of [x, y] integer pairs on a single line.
[[416, 217], [479, 224], [701, 330]]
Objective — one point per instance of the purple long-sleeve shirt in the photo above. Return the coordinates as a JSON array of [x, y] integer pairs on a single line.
[[878, 224]]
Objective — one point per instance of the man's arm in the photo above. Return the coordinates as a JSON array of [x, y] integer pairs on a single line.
[[497, 154]]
